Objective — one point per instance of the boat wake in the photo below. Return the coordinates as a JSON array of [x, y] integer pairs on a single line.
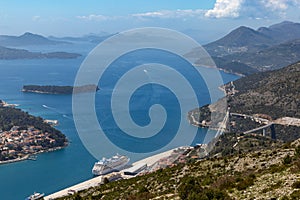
[[66, 116], [45, 106], [57, 111]]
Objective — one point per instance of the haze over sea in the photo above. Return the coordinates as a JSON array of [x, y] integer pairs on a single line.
[[56, 170]]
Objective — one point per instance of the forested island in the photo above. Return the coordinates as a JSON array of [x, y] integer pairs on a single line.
[[53, 89], [22, 134]]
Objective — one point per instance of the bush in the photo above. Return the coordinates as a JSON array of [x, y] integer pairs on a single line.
[[215, 194], [287, 160], [296, 185], [284, 198], [189, 187], [246, 182], [105, 180], [276, 168], [295, 195], [297, 151], [225, 182], [296, 166]]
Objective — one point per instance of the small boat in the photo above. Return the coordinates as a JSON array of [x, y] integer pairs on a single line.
[[35, 196], [32, 157]]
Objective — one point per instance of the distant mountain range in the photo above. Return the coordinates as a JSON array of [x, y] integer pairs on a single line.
[[27, 39], [244, 39], [243, 51], [14, 47], [246, 51]]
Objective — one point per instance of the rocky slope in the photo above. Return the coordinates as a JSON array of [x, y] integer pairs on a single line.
[[270, 95], [271, 172]]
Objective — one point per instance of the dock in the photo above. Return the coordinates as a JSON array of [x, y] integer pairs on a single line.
[[135, 167], [51, 122], [76, 188]]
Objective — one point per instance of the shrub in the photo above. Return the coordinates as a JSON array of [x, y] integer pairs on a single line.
[[287, 160], [297, 151], [276, 168], [246, 182], [189, 187], [105, 180], [296, 166], [296, 184], [215, 194], [295, 195], [224, 182]]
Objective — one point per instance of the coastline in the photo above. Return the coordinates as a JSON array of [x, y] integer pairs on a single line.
[[28, 155], [151, 160], [59, 90], [221, 69], [14, 160], [37, 92]]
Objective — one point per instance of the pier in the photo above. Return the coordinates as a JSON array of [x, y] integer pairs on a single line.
[[149, 161]]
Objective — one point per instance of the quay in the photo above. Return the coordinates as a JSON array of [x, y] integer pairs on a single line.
[[149, 161], [76, 188]]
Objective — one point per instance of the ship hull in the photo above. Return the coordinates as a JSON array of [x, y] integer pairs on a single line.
[[107, 171], [102, 168]]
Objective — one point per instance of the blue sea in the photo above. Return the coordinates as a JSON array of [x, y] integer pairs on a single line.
[[56, 170]]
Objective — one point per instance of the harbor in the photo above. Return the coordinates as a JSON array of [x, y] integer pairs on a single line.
[[144, 166]]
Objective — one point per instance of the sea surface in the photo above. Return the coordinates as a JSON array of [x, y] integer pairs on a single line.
[[56, 170]]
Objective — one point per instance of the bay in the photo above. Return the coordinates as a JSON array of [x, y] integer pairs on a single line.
[[56, 170]]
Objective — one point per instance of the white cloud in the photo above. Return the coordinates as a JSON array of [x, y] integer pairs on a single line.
[[171, 14], [225, 8], [276, 4], [253, 8], [281, 4], [93, 17]]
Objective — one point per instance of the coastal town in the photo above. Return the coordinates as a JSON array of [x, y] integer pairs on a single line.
[[19, 144], [23, 135]]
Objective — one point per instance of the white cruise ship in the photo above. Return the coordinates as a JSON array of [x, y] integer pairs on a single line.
[[112, 164]]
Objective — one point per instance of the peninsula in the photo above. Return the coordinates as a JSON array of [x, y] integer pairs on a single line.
[[53, 89], [22, 135]]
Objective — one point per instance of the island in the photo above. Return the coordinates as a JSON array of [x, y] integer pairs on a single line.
[[53, 89], [23, 135], [14, 53]]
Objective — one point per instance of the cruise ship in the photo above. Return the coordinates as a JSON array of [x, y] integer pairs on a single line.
[[112, 164]]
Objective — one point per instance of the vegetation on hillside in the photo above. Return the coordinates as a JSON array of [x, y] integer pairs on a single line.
[[272, 171], [273, 94]]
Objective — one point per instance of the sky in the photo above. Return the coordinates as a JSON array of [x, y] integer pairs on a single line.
[[204, 19]]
